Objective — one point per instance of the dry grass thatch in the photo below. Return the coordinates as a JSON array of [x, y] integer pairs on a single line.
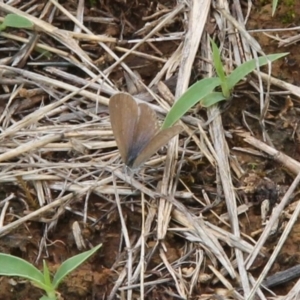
[[59, 154]]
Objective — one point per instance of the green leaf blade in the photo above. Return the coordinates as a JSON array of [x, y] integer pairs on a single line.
[[274, 6], [247, 67], [217, 61], [191, 97], [71, 264], [48, 298], [14, 266], [2, 27], [219, 69], [50, 290], [16, 21], [212, 98]]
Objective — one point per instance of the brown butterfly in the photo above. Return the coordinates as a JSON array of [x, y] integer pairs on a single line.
[[135, 129]]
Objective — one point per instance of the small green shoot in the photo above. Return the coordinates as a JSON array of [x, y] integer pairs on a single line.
[[203, 90], [197, 91], [15, 21], [219, 69], [252, 165], [14, 266], [274, 6]]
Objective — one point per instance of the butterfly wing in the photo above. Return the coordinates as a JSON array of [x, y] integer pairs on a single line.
[[158, 141], [145, 130], [124, 112]]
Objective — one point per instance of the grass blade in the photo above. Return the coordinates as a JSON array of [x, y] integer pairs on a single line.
[[219, 69], [274, 6], [212, 99], [241, 71], [16, 21], [71, 264], [217, 61], [14, 266], [192, 96]]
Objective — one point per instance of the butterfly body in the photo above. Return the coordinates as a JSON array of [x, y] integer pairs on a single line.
[[136, 130]]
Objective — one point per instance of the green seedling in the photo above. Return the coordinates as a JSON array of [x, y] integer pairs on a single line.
[[14, 266], [15, 21], [203, 90], [252, 165], [274, 6]]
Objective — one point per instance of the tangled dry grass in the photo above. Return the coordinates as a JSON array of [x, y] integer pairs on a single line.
[[58, 153]]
